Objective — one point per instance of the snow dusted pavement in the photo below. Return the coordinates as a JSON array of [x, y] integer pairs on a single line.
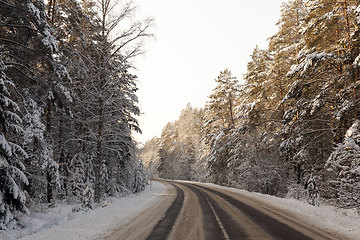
[[211, 212], [341, 223], [180, 210]]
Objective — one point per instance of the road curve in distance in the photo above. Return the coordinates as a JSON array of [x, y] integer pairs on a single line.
[[194, 211]]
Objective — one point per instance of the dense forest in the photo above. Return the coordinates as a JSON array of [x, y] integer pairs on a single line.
[[292, 126], [68, 102]]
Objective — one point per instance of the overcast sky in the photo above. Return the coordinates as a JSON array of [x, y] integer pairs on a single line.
[[195, 40]]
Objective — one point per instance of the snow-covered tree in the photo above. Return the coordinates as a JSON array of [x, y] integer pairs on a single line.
[[257, 90], [104, 90], [149, 155], [37, 72], [220, 119], [12, 177], [66, 66], [318, 102], [220, 108], [177, 153], [284, 47], [40, 163], [344, 161]]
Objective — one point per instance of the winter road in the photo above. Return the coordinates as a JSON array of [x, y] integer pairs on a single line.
[[195, 211]]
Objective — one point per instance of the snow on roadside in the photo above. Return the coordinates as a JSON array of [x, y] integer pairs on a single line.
[[343, 221], [61, 223]]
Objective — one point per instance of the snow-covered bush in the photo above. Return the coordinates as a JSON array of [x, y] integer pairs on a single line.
[[87, 198], [296, 191], [345, 162], [312, 190]]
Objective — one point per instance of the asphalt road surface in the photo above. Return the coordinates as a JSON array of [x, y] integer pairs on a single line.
[[194, 211]]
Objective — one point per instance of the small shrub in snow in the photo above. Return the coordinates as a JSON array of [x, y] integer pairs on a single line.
[[312, 190], [76, 209], [105, 203], [88, 198]]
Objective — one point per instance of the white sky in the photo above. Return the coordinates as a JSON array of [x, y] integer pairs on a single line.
[[195, 40]]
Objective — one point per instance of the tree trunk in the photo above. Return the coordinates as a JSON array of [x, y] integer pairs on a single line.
[[347, 21], [231, 112], [98, 189], [49, 186], [49, 189], [62, 161]]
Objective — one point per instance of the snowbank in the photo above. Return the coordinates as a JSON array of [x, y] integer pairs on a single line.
[[343, 221], [61, 223]]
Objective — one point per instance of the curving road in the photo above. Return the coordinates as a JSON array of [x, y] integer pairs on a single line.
[[194, 211]]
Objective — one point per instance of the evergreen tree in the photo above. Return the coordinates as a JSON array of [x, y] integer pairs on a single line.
[[176, 154], [12, 177], [344, 161], [37, 73], [69, 100], [149, 155], [284, 47], [220, 119], [106, 113], [219, 110], [258, 94], [318, 78]]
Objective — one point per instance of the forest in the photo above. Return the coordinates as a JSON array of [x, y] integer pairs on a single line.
[[69, 106], [68, 102], [291, 125]]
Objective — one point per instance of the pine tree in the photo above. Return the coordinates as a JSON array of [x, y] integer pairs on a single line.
[[107, 112], [73, 30], [220, 120], [319, 77], [38, 73], [168, 152], [177, 152], [219, 109], [12, 177], [259, 96], [284, 47], [149, 156]]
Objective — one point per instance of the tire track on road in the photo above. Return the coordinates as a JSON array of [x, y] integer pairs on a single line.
[[163, 228], [211, 227], [215, 216], [274, 227]]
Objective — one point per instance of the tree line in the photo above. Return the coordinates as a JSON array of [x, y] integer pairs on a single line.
[[294, 120], [68, 102]]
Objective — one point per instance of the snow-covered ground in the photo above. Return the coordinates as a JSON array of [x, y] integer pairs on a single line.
[[61, 223], [344, 221]]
